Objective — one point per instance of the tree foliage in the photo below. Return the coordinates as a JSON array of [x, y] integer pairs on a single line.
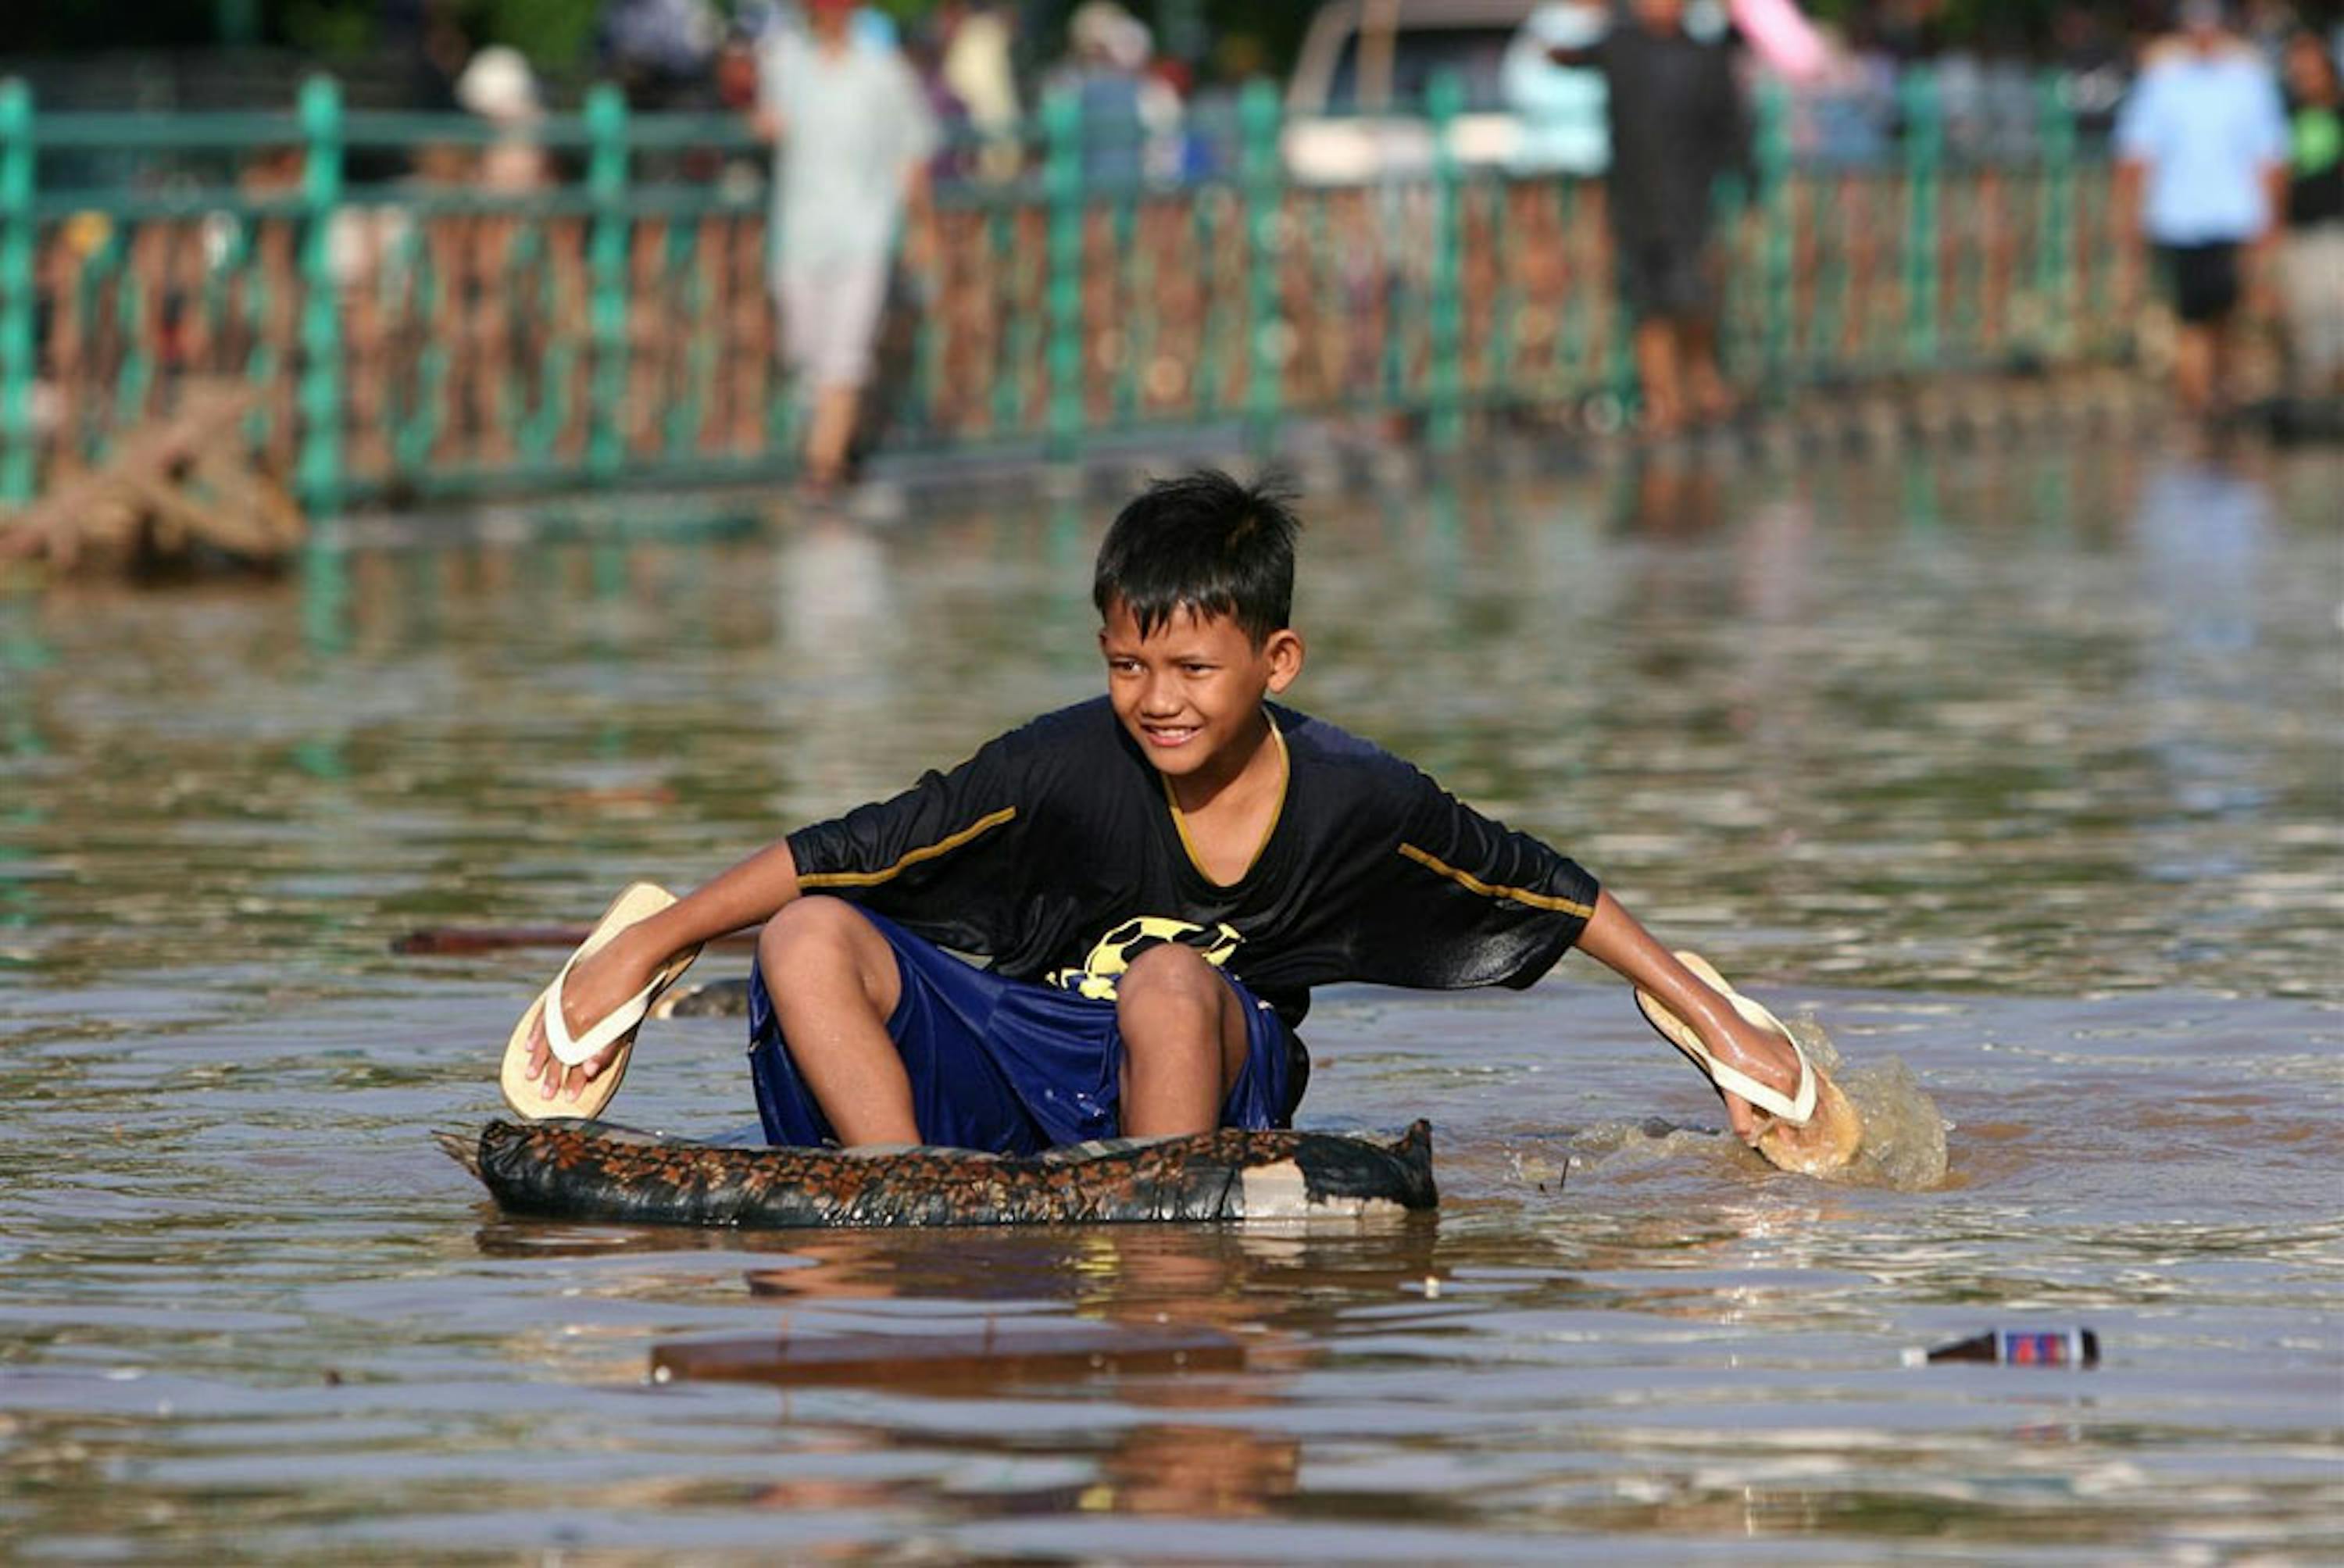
[[1249, 34]]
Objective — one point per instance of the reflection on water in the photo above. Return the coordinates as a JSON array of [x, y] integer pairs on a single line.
[[2203, 535], [2019, 770]]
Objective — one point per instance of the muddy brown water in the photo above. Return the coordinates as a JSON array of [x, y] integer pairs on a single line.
[[2019, 770]]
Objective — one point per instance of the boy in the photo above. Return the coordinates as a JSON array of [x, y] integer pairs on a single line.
[[1158, 876]]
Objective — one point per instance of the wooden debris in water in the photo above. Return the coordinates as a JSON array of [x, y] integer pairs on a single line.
[[983, 1359], [169, 490]]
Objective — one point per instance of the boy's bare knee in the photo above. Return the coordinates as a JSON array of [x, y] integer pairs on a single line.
[[814, 922], [815, 942], [1168, 976], [1173, 1010], [1183, 1039]]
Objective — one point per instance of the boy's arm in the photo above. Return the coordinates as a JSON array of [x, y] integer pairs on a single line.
[[748, 894], [1614, 938]]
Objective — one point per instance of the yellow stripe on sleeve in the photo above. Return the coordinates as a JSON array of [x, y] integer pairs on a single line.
[[1472, 883], [945, 845]]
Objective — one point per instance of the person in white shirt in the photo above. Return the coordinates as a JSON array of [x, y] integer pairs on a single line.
[[853, 134]]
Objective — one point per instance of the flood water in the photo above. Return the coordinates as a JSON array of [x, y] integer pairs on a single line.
[[2019, 768]]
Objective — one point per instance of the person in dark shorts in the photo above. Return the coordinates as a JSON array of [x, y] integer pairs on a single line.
[[1677, 123], [2202, 147], [2201, 281], [1156, 878]]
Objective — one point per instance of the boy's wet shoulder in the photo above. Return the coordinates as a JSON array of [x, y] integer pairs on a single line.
[[1321, 740]]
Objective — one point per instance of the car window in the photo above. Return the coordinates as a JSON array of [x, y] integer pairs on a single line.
[[1420, 54], [1476, 54], [1343, 82]]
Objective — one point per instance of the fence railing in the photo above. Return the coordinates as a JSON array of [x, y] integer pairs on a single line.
[[413, 330]]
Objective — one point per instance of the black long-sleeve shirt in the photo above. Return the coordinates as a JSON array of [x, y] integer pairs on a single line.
[[1677, 122], [1057, 852]]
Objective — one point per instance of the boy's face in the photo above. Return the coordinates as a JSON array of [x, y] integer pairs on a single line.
[[1191, 694]]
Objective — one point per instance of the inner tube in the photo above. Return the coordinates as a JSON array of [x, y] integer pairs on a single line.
[[567, 1169]]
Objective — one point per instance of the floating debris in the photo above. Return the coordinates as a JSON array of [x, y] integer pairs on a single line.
[[982, 1358]]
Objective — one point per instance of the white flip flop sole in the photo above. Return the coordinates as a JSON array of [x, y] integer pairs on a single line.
[[1797, 1108], [525, 1094]]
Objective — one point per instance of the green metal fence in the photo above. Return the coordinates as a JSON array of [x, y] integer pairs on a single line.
[[423, 334]]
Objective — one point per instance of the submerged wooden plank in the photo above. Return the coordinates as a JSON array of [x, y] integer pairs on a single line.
[[972, 1359]]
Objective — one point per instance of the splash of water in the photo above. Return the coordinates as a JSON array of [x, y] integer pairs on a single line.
[[1903, 1146], [1904, 1143]]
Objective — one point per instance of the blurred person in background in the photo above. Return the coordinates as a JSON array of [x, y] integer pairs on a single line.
[[2311, 256], [1173, 155], [1906, 29], [500, 332], [1561, 108], [437, 51], [664, 55], [979, 72], [854, 136], [1106, 69], [498, 86], [2088, 50], [660, 52], [432, 41], [733, 78], [1845, 115], [1676, 122], [2202, 151], [2267, 25]]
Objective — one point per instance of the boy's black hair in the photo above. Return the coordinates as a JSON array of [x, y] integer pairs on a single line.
[[1207, 542]]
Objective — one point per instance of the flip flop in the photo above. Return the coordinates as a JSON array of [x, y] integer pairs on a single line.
[[1795, 1110], [525, 1094]]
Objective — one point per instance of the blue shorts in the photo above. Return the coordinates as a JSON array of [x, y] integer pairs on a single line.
[[1013, 1067]]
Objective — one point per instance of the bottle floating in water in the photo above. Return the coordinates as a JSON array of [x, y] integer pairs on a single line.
[[2020, 1348]]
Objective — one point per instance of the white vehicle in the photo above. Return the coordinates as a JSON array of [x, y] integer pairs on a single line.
[[1354, 105]]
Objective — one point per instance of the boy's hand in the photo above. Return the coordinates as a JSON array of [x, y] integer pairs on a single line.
[[1613, 938], [599, 982], [1755, 1053], [1829, 1137]]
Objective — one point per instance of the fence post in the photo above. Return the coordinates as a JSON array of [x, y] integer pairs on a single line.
[[1925, 145], [1062, 182], [2055, 233], [318, 470], [1259, 127], [17, 466], [606, 185], [1445, 427], [1773, 201]]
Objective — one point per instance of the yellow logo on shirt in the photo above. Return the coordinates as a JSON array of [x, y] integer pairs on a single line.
[[1112, 955]]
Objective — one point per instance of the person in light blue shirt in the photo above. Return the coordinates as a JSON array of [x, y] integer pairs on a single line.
[[2202, 144], [1561, 108]]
